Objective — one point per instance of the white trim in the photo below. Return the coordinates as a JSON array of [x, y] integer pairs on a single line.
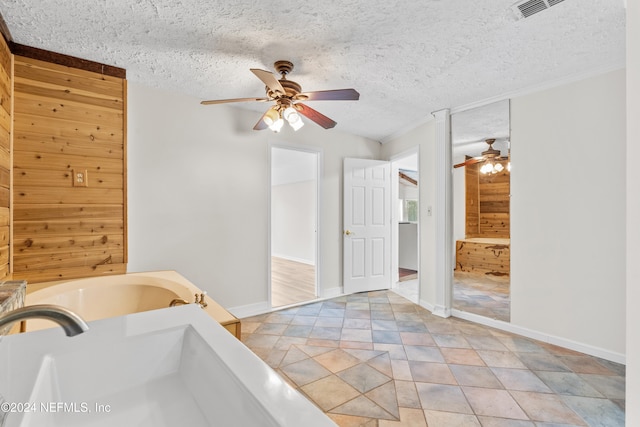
[[540, 87], [541, 336], [249, 310], [443, 211], [332, 292], [395, 250], [294, 259], [441, 310], [269, 190], [265, 307], [426, 304]]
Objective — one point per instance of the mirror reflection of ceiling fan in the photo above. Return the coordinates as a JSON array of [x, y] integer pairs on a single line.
[[491, 158], [286, 95]]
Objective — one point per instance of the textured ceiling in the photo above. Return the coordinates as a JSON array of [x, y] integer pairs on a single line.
[[407, 58]]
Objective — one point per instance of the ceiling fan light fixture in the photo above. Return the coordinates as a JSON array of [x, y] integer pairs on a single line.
[[271, 116], [277, 125], [284, 93], [297, 124], [291, 115], [273, 120], [498, 167]]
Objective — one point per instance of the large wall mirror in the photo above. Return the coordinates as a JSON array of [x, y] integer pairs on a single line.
[[481, 192]]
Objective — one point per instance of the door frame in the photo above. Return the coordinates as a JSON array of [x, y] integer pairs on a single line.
[[395, 190], [319, 174]]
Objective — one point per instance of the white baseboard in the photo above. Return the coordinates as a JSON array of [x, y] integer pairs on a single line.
[[263, 307], [540, 336], [250, 309], [427, 305], [294, 259], [441, 311], [332, 292]]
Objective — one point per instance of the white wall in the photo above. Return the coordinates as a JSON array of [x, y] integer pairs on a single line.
[[633, 213], [568, 211], [198, 182], [293, 221], [567, 222], [424, 138], [408, 191]]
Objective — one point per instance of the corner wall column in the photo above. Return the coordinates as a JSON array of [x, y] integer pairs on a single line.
[[443, 214]]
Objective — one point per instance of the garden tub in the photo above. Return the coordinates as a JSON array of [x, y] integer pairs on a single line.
[[102, 297]]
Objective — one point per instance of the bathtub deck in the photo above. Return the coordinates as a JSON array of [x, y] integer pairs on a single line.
[[213, 309]]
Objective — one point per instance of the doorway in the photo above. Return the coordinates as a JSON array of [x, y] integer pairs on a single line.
[[294, 225], [406, 226]]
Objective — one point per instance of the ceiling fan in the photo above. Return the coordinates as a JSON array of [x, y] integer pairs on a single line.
[[491, 156], [286, 95]]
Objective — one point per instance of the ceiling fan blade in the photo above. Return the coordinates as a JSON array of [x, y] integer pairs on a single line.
[[330, 95], [315, 116], [269, 79], [261, 125], [225, 101], [469, 162]]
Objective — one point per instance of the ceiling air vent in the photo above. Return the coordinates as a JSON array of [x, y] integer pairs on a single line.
[[525, 9]]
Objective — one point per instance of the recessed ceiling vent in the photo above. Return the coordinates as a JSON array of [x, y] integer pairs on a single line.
[[525, 9]]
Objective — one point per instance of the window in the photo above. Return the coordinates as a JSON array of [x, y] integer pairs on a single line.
[[409, 210]]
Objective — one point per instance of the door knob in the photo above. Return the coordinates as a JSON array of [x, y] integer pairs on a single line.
[[348, 232]]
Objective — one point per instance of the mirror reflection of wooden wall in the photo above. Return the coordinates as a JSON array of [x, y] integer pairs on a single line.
[[487, 202], [482, 227]]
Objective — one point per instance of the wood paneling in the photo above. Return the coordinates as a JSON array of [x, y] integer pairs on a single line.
[[67, 121], [472, 200], [68, 61], [487, 216], [6, 114], [46, 275], [494, 204], [486, 256], [487, 203]]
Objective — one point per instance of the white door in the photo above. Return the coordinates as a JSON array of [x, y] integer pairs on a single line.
[[367, 225]]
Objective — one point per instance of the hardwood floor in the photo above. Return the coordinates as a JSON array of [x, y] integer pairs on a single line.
[[291, 282], [405, 274]]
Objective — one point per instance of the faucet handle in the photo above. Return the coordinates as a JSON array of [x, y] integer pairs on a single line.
[[200, 299], [203, 304]]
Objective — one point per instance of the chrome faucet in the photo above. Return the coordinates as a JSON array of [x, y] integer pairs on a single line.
[[68, 320]]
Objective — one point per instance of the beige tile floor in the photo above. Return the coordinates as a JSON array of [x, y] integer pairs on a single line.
[[376, 359], [482, 294]]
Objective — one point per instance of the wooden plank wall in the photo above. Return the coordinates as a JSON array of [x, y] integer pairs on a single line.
[[68, 122], [5, 156], [487, 203], [494, 204], [484, 257], [472, 205]]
